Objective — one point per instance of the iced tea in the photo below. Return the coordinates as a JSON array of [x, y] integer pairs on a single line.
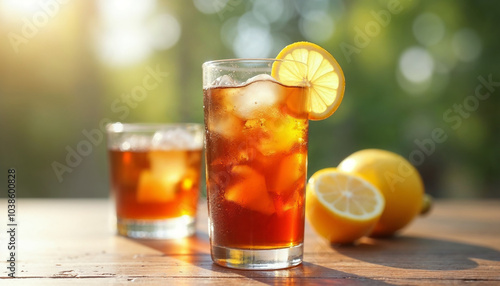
[[155, 184], [155, 180], [256, 158]]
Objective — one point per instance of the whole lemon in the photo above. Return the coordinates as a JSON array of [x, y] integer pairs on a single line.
[[397, 179]]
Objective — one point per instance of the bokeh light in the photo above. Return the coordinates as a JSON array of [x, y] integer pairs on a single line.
[[306, 7], [466, 45], [317, 26], [13, 8], [228, 32], [428, 29], [165, 31], [130, 32], [210, 7], [123, 38], [253, 38], [267, 11], [416, 65]]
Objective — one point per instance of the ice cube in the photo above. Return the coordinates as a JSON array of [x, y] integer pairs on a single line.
[[246, 153], [291, 173], [133, 143], [260, 77], [293, 202], [167, 169], [225, 126], [284, 133], [224, 80], [175, 139], [153, 189], [250, 190], [170, 166], [256, 98]]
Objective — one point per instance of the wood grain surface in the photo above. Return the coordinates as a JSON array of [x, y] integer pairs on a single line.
[[73, 242]]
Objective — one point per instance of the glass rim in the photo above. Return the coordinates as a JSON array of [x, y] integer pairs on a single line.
[[220, 62], [119, 127]]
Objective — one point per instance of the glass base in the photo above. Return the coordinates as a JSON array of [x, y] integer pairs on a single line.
[[157, 229], [260, 259]]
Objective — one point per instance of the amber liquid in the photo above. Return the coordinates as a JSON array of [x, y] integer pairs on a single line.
[[256, 167], [155, 184]]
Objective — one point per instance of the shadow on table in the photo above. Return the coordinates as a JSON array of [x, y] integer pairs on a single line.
[[408, 252], [196, 250], [194, 246], [305, 274]]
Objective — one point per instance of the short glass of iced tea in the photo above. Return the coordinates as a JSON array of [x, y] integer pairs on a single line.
[[155, 178], [256, 162]]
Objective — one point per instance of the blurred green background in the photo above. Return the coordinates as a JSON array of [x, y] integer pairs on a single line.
[[413, 69]]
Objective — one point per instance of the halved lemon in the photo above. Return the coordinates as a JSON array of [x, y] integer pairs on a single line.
[[324, 76], [342, 207]]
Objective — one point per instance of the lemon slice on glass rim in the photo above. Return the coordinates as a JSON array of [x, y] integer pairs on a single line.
[[324, 77]]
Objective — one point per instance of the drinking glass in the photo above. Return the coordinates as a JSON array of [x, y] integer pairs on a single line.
[[155, 178], [256, 162]]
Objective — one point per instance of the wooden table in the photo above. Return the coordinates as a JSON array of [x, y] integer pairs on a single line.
[[73, 242]]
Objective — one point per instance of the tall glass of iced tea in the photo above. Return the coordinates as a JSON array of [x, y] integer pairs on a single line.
[[155, 178], [256, 161]]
